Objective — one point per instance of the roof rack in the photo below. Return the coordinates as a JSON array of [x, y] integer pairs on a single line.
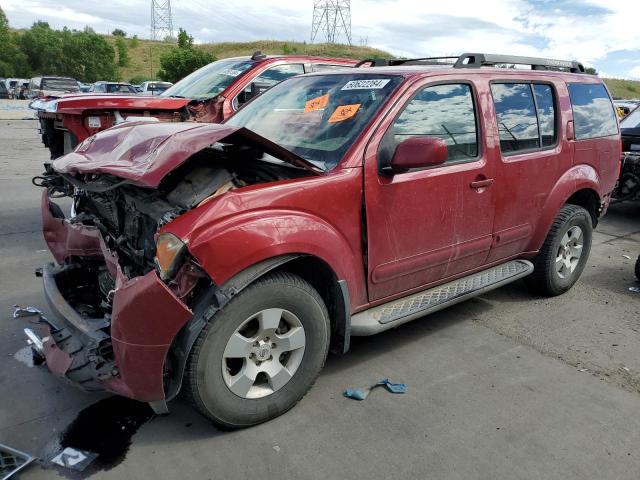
[[385, 62], [477, 60]]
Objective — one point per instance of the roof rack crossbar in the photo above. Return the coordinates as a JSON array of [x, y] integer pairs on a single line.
[[477, 60], [418, 61]]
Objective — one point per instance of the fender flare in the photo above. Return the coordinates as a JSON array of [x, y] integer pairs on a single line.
[[217, 298], [579, 177]]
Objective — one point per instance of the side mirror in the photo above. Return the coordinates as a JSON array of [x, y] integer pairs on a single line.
[[418, 152]]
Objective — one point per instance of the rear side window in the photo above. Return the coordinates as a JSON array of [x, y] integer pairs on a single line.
[[279, 73], [444, 111], [546, 114], [526, 116], [593, 113]]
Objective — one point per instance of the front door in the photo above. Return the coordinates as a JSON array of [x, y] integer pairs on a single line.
[[426, 225]]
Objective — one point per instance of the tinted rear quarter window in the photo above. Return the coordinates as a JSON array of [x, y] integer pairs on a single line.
[[593, 112], [546, 113]]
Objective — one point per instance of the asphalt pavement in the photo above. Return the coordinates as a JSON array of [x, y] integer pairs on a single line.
[[505, 386]]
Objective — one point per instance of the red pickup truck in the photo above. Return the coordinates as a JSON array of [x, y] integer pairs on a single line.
[[227, 260], [210, 94]]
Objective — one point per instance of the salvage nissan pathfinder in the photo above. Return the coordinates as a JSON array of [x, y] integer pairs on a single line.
[[226, 260]]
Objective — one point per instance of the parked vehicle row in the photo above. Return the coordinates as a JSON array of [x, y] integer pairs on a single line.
[[226, 259], [13, 88], [49, 87]]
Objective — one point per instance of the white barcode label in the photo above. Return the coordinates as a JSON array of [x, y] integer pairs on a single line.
[[94, 122], [373, 84]]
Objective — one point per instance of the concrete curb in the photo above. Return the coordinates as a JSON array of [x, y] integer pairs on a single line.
[[16, 110]]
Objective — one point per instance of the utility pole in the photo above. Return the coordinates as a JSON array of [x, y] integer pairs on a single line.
[[161, 20], [333, 18]]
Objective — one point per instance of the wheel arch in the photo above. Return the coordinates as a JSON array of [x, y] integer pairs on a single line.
[[314, 270], [580, 186]]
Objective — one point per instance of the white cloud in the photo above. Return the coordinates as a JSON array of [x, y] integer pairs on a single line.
[[65, 14], [586, 30], [635, 72]]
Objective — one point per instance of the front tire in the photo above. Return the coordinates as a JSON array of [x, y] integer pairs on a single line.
[[564, 253], [260, 354], [638, 268]]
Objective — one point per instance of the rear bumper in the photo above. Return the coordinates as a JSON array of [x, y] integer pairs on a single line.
[[124, 352]]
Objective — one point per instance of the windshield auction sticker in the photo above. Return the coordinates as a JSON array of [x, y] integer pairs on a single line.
[[344, 112], [373, 84], [317, 103], [230, 72]]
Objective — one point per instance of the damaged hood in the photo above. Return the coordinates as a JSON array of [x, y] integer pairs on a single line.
[[144, 153], [76, 104]]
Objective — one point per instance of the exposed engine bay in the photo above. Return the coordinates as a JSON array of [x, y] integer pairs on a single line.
[[128, 216]]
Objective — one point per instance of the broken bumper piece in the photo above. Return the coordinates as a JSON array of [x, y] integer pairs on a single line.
[[123, 351]]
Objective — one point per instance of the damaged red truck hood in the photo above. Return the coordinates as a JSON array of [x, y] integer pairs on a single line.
[[76, 104], [144, 153]]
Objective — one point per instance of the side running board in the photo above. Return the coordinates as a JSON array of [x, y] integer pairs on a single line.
[[403, 310]]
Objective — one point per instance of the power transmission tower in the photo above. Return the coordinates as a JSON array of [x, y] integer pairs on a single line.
[[161, 20], [333, 18]]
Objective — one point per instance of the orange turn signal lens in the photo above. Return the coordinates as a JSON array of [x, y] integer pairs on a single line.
[[169, 253]]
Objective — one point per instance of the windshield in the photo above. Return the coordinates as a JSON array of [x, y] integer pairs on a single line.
[[317, 117], [210, 80], [632, 120], [66, 84]]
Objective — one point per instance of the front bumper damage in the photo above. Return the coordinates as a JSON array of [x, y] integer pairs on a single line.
[[124, 352]]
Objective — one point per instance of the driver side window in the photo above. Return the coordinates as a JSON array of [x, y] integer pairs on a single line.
[[444, 111]]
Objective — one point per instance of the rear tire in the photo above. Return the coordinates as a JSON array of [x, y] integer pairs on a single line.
[[278, 327], [564, 253], [638, 268]]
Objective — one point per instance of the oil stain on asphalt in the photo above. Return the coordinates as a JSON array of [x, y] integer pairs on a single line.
[[104, 428]]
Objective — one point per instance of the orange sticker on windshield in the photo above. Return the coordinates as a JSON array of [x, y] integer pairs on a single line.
[[317, 103], [344, 112]]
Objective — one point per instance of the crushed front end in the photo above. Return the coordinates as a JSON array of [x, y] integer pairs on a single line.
[[122, 287], [113, 320]]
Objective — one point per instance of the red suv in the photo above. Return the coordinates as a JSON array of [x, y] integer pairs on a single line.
[[228, 259], [210, 94]]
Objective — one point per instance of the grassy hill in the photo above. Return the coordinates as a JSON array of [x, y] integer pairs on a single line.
[[145, 57], [623, 88]]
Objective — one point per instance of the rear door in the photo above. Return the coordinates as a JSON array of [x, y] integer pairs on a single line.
[[533, 155], [426, 225]]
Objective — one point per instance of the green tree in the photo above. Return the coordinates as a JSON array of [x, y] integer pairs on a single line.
[[13, 62], [590, 71], [179, 62], [87, 56], [184, 39], [123, 52], [43, 47], [119, 33]]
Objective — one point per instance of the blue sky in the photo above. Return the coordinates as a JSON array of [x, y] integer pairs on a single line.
[[600, 33]]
